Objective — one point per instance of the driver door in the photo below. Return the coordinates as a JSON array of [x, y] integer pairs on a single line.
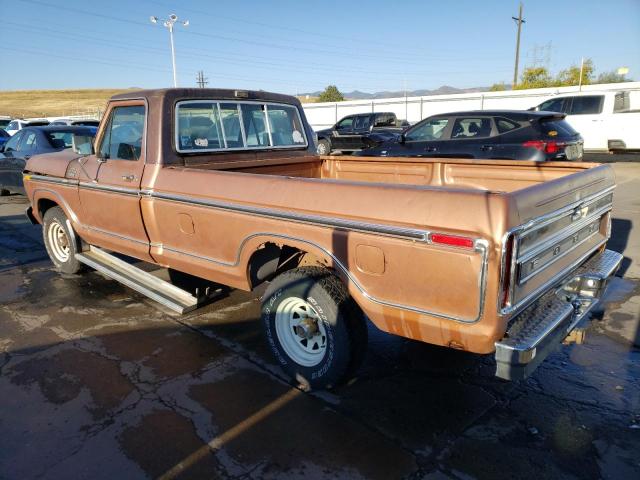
[[342, 133], [110, 182]]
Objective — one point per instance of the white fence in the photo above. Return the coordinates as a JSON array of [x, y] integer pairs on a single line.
[[414, 109]]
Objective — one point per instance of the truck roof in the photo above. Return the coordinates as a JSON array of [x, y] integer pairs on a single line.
[[208, 93]]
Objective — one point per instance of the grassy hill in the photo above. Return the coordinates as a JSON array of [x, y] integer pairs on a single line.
[[53, 103]]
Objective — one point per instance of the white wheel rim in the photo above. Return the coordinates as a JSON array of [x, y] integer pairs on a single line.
[[301, 331], [58, 241], [322, 149]]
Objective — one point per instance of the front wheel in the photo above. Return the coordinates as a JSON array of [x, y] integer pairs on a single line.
[[60, 241], [314, 329]]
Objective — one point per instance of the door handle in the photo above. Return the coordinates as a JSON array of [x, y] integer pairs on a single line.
[[486, 147], [430, 149], [128, 178]]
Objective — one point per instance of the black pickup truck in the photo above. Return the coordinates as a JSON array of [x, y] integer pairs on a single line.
[[360, 131]]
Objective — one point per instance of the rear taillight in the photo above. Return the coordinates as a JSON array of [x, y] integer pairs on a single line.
[[547, 147], [505, 286], [451, 240]]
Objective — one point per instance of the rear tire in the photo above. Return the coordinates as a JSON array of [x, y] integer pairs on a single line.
[[4, 192], [61, 241], [324, 147], [313, 327]]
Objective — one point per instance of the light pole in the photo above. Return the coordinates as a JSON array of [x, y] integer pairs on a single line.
[[519, 20], [173, 18]]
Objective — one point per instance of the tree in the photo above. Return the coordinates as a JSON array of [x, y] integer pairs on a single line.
[[535, 77], [571, 76], [331, 94], [611, 77], [498, 87]]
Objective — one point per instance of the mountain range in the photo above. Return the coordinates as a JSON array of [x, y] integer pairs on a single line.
[[443, 90]]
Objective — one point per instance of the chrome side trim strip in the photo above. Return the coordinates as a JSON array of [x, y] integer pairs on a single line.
[[352, 225], [87, 185], [116, 235], [47, 179], [481, 246], [110, 188]]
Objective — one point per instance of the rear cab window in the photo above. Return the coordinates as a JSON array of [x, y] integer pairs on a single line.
[[210, 126]]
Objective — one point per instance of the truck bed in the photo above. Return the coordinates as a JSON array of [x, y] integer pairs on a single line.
[[488, 175]]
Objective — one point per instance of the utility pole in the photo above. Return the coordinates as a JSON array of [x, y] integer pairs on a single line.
[[173, 18], [519, 20], [201, 80], [581, 70]]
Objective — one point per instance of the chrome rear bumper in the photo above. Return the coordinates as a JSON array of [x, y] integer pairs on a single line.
[[541, 327]]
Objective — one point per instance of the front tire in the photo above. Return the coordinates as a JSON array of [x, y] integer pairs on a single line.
[[314, 329], [324, 147], [61, 241]]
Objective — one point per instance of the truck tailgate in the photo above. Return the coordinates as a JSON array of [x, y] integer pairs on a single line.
[[560, 223]]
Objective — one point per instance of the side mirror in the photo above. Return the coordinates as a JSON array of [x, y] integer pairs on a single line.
[[401, 138], [82, 144]]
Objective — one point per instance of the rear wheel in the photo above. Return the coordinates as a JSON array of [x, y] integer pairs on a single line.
[[324, 147], [61, 241], [4, 192], [315, 330]]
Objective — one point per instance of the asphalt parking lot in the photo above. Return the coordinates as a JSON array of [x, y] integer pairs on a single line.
[[96, 382]]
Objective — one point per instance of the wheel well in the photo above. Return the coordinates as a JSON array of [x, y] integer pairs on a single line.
[[45, 204], [271, 259]]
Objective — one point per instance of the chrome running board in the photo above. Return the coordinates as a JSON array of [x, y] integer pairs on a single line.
[[155, 288]]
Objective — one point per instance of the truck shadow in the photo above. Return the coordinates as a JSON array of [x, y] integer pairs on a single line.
[[620, 232]]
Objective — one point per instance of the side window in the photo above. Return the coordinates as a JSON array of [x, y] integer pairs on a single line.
[[428, 130], [12, 143], [362, 122], [13, 126], [505, 125], [467, 128], [555, 105], [123, 135], [255, 125], [345, 124], [587, 105], [286, 126], [621, 102], [28, 143]]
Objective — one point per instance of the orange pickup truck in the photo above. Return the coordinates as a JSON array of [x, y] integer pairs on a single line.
[[224, 186]]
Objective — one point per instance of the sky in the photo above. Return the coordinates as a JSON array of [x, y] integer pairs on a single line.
[[303, 46]]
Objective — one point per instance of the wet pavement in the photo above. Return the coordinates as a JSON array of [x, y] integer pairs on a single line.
[[96, 382]]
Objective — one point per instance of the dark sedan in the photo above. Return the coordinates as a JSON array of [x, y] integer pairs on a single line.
[[504, 134], [31, 141]]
